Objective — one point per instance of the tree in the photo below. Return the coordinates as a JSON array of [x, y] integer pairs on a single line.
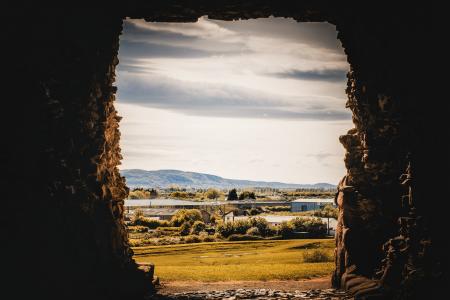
[[137, 215], [186, 216], [212, 194], [153, 194], [328, 211], [198, 227], [185, 229], [232, 195], [286, 229], [247, 195]]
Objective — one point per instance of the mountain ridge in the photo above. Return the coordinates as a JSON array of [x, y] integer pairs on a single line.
[[164, 178]]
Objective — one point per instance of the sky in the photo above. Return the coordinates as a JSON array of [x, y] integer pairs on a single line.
[[260, 99]]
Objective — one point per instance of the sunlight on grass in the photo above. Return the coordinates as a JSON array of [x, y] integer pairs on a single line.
[[249, 260]]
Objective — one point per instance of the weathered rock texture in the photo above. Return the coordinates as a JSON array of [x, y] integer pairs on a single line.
[[62, 220]]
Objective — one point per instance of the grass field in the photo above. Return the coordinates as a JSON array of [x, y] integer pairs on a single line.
[[229, 261]]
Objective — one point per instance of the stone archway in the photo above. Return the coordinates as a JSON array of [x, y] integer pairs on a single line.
[[72, 148]]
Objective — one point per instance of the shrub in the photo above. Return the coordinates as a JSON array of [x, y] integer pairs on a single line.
[[261, 224], [247, 195], [286, 229], [278, 208], [186, 216], [150, 223], [192, 239], [253, 231], [272, 230], [135, 243], [315, 256], [254, 211], [164, 223], [243, 237], [315, 226], [185, 229], [137, 214], [208, 238], [197, 227], [225, 229], [241, 226], [169, 229], [137, 229]]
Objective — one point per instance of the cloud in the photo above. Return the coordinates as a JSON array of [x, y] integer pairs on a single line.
[[157, 40], [319, 35], [233, 69], [321, 156], [329, 75], [226, 101], [131, 49], [137, 31]]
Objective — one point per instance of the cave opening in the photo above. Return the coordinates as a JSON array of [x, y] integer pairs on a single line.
[[75, 193], [259, 99]]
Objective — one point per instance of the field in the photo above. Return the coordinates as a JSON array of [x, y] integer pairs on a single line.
[[234, 261]]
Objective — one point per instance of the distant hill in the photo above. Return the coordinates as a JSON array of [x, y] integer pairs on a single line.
[[164, 178]]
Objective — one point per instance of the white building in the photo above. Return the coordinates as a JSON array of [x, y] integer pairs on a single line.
[[310, 204]]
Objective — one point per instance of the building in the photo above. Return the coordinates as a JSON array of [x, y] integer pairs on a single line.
[[310, 204]]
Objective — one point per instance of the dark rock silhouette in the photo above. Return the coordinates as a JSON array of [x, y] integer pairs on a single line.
[[62, 128]]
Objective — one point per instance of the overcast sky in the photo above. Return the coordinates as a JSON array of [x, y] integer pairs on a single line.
[[257, 99]]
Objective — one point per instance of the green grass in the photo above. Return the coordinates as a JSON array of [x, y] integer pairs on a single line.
[[229, 261]]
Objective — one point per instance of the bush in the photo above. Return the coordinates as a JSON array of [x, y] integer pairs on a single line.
[[150, 223], [225, 229], [169, 229], [286, 230], [253, 231], [261, 224], [315, 256], [278, 208], [186, 216], [254, 211], [197, 227], [243, 237], [241, 226], [185, 229], [247, 195], [208, 238], [137, 229], [192, 239], [135, 243], [137, 214], [314, 226]]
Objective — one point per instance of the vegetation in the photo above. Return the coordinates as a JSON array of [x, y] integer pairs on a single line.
[[232, 195], [198, 227], [200, 194], [328, 211], [314, 226], [140, 193], [212, 194], [316, 256], [247, 195], [248, 260], [188, 216], [188, 222]]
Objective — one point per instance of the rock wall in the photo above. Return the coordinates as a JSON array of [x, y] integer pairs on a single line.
[[63, 158], [63, 149]]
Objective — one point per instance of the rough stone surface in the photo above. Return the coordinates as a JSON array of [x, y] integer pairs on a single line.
[[62, 147], [234, 294]]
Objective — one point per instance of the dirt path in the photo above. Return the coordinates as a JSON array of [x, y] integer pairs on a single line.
[[285, 285]]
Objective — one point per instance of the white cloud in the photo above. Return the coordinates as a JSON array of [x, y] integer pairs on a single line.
[[260, 99]]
